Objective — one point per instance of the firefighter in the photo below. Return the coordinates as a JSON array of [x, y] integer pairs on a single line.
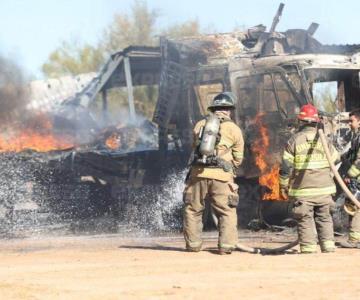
[[352, 160], [211, 176], [306, 179]]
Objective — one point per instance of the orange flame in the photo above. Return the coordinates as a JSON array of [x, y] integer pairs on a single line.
[[32, 141], [113, 141], [271, 180], [35, 135], [268, 178]]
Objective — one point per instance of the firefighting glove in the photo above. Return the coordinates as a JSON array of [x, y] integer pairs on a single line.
[[284, 193]]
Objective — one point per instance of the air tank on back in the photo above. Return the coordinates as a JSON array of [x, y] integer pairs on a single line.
[[208, 138]]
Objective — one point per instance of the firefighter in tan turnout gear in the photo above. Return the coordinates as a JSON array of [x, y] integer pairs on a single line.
[[218, 149], [306, 179], [352, 160]]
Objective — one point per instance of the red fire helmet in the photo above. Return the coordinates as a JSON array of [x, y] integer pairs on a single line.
[[309, 113]]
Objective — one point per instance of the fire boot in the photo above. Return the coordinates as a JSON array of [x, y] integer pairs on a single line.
[[327, 246], [353, 240], [349, 244], [223, 251], [193, 249]]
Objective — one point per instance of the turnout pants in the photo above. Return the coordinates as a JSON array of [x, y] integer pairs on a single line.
[[314, 222], [354, 234], [223, 197]]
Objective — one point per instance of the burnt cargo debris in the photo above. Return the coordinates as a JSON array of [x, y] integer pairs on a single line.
[[272, 74]]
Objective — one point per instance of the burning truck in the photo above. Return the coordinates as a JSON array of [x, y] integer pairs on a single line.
[[272, 73]]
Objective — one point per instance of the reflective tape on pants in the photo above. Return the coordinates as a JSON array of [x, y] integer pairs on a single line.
[[226, 246], [325, 245], [308, 248], [354, 236]]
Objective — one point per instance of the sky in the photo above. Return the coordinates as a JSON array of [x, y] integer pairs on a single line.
[[31, 29]]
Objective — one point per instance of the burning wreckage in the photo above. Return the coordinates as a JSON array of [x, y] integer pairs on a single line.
[[272, 73]]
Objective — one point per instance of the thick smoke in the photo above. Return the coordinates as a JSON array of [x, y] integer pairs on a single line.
[[13, 92]]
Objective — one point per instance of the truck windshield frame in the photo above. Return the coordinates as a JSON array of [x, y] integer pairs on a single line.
[[271, 90]]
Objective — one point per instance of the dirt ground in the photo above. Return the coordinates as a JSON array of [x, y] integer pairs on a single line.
[[114, 267]]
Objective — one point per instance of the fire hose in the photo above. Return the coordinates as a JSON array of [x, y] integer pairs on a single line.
[[238, 246], [335, 172], [255, 250], [294, 243]]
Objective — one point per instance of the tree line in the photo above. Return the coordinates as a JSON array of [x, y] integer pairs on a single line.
[[139, 27]]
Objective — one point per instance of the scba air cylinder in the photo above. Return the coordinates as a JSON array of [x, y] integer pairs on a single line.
[[208, 140]]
